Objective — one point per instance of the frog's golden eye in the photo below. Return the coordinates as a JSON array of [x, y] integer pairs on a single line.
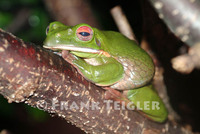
[[47, 30], [84, 33]]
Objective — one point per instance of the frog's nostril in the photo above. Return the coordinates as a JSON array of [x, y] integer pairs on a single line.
[[58, 35]]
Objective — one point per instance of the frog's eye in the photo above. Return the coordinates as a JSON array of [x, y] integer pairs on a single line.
[[84, 33], [47, 30]]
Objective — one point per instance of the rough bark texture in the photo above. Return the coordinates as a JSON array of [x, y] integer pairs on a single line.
[[39, 78]]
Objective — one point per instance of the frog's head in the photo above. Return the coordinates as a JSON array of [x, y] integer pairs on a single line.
[[79, 39]]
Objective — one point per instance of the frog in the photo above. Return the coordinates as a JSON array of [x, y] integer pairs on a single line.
[[112, 61]]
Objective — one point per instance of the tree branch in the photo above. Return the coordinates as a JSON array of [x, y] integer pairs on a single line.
[[182, 18]]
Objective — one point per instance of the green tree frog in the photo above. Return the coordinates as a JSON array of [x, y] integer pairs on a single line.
[[110, 60]]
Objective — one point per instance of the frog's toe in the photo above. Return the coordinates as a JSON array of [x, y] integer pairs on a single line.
[[68, 56]]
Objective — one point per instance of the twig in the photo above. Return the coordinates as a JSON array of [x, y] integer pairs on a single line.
[[122, 22], [186, 63]]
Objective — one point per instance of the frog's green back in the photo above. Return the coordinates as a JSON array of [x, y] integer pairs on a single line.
[[119, 45], [138, 65]]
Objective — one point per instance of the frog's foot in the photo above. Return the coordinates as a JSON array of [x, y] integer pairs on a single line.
[[68, 56], [112, 94]]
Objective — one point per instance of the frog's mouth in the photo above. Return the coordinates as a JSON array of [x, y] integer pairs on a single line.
[[77, 49], [73, 48]]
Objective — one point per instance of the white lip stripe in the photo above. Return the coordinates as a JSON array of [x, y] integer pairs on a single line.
[[73, 48]]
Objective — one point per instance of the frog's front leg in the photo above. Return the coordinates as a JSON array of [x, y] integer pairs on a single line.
[[68, 56], [106, 71]]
